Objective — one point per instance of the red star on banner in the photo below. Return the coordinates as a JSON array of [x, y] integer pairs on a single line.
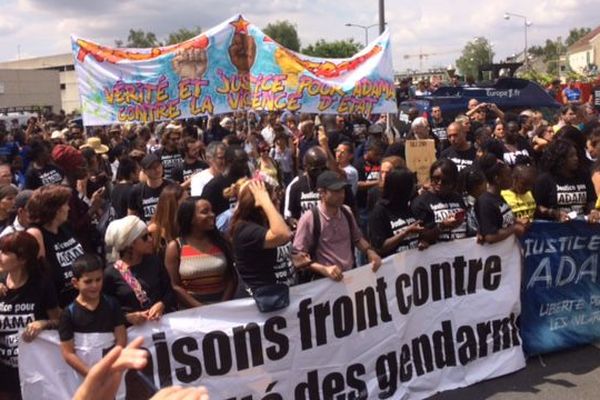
[[240, 25]]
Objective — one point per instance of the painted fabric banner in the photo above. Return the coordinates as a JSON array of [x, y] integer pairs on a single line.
[[231, 67], [561, 293], [425, 322]]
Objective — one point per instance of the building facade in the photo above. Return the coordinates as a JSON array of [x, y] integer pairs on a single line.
[[29, 90], [63, 64], [584, 55]]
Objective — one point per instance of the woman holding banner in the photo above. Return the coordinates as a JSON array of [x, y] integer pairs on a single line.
[[495, 218], [565, 190], [441, 208], [392, 225], [138, 279], [28, 305]]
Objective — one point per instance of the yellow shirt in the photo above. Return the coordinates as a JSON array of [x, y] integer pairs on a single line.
[[522, 205]]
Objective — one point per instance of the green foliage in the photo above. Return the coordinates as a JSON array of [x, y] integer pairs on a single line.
[[551, 51], [336, 49], [575, 34], [542, 78], [284, 33], [475, 54], [141, 40], [182, 35]]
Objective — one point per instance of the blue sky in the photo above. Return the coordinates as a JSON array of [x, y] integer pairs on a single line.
[[34, 28]]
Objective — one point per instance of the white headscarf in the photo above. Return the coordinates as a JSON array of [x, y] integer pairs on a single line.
[[121, 233]]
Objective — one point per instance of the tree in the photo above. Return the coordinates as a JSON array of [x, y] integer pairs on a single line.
[[139, 39], [475, 54], [336, 49], [552, 50], [576, 34], [182, 35], [283, 32]]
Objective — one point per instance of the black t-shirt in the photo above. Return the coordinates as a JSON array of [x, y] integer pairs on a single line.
[[373, 195], [169, 161], [521, 148], [284, 268], [493, 213], [183, 171], [440, 131], [213, 192], [49, 174], [565, 194], [143, 199], [367, 172], [61, 250], [301, 196], [462, 159], [119, 198], [152, 276], [254, 263], [433, 209], [18, 308], [77, 318], [385, 223]]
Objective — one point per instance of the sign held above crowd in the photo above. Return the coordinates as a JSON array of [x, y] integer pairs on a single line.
[[232, 67]]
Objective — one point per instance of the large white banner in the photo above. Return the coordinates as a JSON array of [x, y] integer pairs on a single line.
[[231, 67], [425, 322]]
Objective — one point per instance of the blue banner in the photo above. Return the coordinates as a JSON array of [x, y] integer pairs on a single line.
[[561, 292]]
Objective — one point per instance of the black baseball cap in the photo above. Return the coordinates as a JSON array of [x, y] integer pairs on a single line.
[[148, 160], [331, 181]]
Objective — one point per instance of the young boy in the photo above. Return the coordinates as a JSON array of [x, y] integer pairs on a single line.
[[519, 197], [91, 312]]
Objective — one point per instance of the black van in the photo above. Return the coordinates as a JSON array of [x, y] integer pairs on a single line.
[[509, 94]]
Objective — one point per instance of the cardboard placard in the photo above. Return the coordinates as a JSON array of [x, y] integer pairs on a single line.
[[420, 154]]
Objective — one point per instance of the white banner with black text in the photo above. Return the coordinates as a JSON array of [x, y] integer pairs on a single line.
[[427, 321]]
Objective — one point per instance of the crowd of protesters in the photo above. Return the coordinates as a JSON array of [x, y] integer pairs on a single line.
[[108, 227]]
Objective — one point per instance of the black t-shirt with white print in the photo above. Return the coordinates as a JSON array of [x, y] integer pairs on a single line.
[[284, 268], [169, 161], [61, 250], [440, 131], [143, 199], [19, 307], [462, 158], [183, 171], [48, 175], [493, 213], [301, 196], [432, 209], [385, 223], [564, 194]]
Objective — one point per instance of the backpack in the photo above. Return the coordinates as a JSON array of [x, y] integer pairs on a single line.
[[307, 275]]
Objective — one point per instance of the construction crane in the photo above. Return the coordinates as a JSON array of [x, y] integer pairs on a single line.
[[422, 55]]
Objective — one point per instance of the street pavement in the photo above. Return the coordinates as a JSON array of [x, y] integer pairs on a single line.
[[569, 375]]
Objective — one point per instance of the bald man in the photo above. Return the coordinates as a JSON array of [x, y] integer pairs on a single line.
[[461, 151]]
